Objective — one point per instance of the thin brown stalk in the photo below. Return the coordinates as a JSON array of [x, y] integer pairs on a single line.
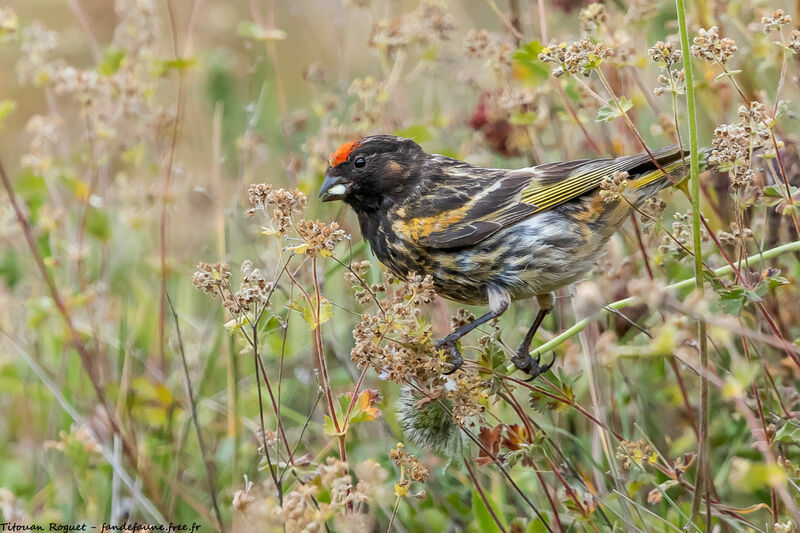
[[162, 232], [483, 497], [394, 513], [209, 466], [262, 430]]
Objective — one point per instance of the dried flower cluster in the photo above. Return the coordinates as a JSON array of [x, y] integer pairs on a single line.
[[613, 187], [78, 436], [303, 507], [674, 83], [319, 238], [371, 94], [461, 319], [254, 290], [775, 21], [653, 209], [591, 17], [284, 203], [115, 96], [496, 49], [665, 54], [734, 144], [356, 278], [397, 342], [639, 452], [794, 42], [735, 236], [429, 22], [36, 45], [783, 527], [681, 239], [578, 57], [45, 132], [213, 279], [708, 45], [411, 469]]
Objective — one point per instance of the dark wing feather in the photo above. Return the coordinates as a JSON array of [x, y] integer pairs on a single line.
[[515, 195], [492, 207]]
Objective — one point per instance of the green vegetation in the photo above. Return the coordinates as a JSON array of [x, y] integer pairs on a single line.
[[171, 285]]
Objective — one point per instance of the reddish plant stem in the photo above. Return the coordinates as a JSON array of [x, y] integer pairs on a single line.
[[272, 468], [565, 401], [275, 409], [483, 497], [760, 407]]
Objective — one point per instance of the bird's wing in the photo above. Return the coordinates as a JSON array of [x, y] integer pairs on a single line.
[[466, 219]]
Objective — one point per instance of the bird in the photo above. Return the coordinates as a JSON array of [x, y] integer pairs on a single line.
[[491, 236]]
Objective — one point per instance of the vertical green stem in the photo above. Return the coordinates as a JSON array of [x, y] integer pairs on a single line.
[[694, 184]]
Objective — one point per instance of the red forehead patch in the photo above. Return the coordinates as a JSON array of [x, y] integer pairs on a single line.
[[341, 153]]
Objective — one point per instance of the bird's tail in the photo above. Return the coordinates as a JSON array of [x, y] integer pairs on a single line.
[[648, 179]]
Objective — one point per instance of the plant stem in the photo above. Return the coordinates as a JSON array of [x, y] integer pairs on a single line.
[[627, 302], [483, 497], [210, 474], [694, 184]]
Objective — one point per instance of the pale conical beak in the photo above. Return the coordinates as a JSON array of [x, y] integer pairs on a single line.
[[332, 188]]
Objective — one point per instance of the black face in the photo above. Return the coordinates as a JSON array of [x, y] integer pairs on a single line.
[[371, 172]]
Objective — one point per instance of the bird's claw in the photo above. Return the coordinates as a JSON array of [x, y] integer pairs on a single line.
[[523, 361], [455, 354]]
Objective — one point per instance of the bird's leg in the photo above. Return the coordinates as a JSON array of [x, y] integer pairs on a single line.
[[523, 360], [498, 304]]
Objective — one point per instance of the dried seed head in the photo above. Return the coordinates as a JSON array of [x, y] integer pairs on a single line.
[[592, 16], [319, 237], [708, 45], [775, 21], [476, 43], [665, 54], [794, 42], [413, 467], [579, 57], [612, 187]]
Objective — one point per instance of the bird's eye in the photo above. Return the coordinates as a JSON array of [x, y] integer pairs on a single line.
[[359, 162]]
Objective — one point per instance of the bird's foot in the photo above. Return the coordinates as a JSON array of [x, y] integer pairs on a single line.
[[451, 346], [523, 361]]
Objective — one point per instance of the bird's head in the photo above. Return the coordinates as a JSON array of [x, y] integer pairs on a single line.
[[371, 171]]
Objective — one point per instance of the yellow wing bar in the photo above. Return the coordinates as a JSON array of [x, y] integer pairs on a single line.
[[547, 196]]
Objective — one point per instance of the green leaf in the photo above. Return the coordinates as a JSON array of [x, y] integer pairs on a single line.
[[97, 223], [418, 132], [112, 60], [609, 112], [790, 432], [485, 521], [31, 188], [300, 304], [524, 118], [181, 64], [6, 108], [729, 74], [779, 191], [329, 428], [529, 67], [749, 476], [733, 299], [10, 269]]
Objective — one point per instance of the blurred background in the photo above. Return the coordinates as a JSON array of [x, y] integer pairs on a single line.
[[131, 130]]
